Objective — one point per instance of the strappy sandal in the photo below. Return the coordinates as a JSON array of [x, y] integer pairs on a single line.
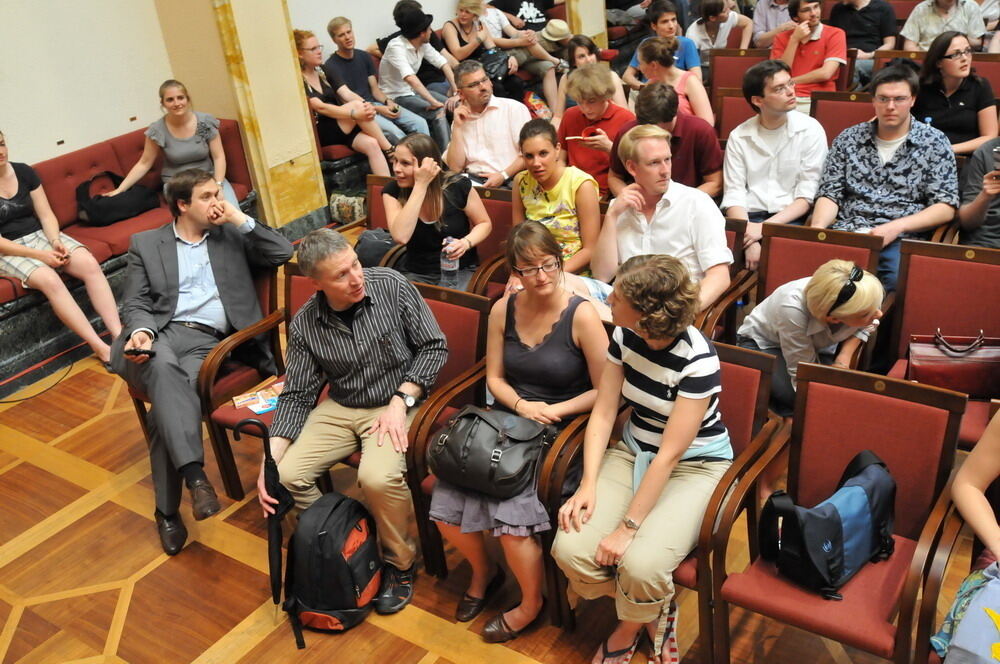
[[623, 656], [663, 635]]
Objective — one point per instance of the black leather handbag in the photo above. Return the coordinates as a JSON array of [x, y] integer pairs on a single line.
[[490, 451], [106, 210], [495, 64]]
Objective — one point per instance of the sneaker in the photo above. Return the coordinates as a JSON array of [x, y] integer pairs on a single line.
[[396, 590]]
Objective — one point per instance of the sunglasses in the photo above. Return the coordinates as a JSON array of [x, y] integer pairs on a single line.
[[848, 290]]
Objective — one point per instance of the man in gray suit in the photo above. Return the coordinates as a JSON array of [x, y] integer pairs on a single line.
[[189, 283]]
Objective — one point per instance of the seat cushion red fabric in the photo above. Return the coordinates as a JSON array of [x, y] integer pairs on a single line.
[[686, 574], [128, 148], [119, 234], [862, 620], [61, 175], [977, 416], [10, 289], [335, 152]]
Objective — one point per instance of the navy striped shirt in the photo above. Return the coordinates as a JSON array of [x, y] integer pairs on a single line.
[[688, 367]]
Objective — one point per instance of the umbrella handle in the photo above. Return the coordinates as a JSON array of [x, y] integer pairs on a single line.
[[261, 427]]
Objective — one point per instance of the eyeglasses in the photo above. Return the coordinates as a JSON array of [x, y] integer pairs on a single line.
[[551, 266], [848, 290], [476, 84], [882, 99], [964, 53], [315, 49]]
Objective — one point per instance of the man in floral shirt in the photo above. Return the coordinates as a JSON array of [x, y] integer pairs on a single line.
[[893, 177]]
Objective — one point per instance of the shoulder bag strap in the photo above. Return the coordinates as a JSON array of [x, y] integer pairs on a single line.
[[779, 505], [862, 460]]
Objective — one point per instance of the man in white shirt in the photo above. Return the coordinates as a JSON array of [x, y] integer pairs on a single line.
[[773, 160], [398, 72], [526, 49], [656, 216], [485, 131]]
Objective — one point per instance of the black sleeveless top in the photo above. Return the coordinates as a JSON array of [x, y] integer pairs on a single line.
[[553, 371], [462, 41]]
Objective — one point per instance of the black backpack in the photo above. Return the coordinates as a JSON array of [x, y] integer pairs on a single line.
[[334, 568], [822, 547], [106, 210]]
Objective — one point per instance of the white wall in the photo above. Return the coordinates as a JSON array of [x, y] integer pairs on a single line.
[[370, 18], [77, 72]]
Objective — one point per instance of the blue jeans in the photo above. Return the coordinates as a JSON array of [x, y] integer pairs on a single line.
[[888, 265], [395, 129], [436, 119]]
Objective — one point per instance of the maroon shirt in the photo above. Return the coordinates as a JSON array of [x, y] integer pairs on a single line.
[[694, 150]]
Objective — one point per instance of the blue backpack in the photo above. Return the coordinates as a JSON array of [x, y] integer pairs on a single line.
[[821, 548]]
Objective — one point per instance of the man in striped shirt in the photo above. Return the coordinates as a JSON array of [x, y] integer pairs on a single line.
[[371, 339]]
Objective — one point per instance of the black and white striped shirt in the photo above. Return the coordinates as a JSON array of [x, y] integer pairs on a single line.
[[394, 338], [688, 367]]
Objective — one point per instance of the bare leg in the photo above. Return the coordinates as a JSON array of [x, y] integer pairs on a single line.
[[524, 556], [369, 147], [472, 546], [549, 87], [84, 266], [623, 635], [46, 280], [369, 127]]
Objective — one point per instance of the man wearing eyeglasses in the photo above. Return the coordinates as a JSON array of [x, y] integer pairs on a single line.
[[656, 216], [894, 177], [485, 130]]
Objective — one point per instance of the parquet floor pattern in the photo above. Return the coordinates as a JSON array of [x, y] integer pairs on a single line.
[[83, 578]]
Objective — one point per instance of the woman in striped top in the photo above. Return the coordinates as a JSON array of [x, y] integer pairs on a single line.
[[640, 504]]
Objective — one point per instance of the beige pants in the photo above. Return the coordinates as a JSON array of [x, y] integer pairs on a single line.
[[643, 582], [331, 434]]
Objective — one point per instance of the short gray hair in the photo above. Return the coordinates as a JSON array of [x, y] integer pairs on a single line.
[[466, 67], [317, 246]]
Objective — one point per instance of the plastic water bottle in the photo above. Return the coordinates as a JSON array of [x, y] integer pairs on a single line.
[[449, 267]]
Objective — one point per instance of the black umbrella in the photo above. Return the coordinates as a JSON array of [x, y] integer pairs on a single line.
[[285, 502]]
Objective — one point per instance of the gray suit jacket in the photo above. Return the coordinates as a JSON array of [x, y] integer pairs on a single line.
[[151, 284]]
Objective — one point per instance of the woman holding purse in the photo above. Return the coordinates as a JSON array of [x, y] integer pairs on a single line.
[[545, 352]]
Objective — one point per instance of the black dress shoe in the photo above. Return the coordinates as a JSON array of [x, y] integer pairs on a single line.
[[204, 502], [469, 607], [172, 532]]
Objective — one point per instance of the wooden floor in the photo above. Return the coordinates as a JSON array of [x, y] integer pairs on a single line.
[[83, 578]]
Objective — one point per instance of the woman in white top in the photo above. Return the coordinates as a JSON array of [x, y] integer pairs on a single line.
[[713, 28]]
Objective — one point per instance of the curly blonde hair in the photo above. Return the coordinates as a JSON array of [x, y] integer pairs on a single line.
[[661, 289]]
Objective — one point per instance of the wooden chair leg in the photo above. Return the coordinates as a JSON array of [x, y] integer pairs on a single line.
[[219, 437], [705, 628], [431, 544]]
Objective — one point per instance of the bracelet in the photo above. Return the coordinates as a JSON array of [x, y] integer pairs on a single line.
[[469, 242], [505, 176], [352, 113], [519, 400]]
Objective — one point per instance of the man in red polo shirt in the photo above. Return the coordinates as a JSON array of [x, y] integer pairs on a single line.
[[587, 129], [814, 51], [696, 156]]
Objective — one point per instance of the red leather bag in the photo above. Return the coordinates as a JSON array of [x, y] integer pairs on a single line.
[[963, 364]]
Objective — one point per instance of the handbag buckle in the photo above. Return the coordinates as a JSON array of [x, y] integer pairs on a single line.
[[495, 455]]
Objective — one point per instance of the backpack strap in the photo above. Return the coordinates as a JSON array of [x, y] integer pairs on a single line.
[[293, 620], [779, 505], [862, 460]]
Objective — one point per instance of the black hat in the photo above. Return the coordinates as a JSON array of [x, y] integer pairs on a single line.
[[412, 22]]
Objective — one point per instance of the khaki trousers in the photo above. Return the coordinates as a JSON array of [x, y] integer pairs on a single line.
[[643, 583], [331, 434]]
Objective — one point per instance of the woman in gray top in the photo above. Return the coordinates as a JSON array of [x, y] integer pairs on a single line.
[[186, 138]]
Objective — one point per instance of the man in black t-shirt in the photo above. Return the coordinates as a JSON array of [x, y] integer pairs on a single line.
[[357, 70], [870, 26], [526, 14]]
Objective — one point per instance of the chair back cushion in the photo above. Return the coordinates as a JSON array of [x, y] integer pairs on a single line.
[[733, 110], [838, 111], [790, 258], [376, 211], [740, 389], [729, 65], [462, 317], [128, 148], [237, 169], [498, 207], [297, 292], [61, 175]]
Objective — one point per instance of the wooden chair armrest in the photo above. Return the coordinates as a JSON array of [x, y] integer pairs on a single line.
[[360, 224], [556, 462], [209, 371], [744, 489], [927, 616], [483, 275], [393, 256], [742, 283], [919, 568]]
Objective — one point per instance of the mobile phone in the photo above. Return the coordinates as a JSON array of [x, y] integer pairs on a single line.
[[996, 158], [140, 351]]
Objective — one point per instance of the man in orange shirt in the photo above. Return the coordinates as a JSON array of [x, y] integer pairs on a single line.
[[814, 51]]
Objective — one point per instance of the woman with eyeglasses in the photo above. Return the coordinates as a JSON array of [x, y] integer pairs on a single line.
[[337, 123], [432, 210], [822, 318], [544, 354], [953, 98]]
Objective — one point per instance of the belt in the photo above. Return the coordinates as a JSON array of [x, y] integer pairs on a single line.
[[207, 329]]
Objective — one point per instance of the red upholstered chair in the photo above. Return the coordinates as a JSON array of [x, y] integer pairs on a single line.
[[903, 8], [883, 57], [837, 111], [731, 110], [952, 287], [719, 320], [221, 377], [987, 65], [729, 64], [838, 413], [845, 75], [746, 388]]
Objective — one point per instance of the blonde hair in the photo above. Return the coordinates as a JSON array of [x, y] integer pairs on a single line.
[[472, 6], [661, 289], [336, 23], [828, 280], [628, 147], [591, 81]]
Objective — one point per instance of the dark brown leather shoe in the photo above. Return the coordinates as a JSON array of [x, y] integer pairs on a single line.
[[204, 502], [469, 607], [172, 532], [498, 631]]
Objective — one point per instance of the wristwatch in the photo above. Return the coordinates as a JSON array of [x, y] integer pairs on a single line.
[[630, 523], [410, 401]]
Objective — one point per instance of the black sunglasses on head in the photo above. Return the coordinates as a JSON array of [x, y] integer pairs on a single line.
[[848, 290]]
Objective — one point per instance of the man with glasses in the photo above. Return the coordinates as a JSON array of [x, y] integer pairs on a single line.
[[774, 159], [485, 130], [894, 177], [932, 17], [656, 216], [815, 52]]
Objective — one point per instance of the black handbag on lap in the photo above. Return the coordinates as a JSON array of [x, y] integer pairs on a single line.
[[106, 210], [490, 451]]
